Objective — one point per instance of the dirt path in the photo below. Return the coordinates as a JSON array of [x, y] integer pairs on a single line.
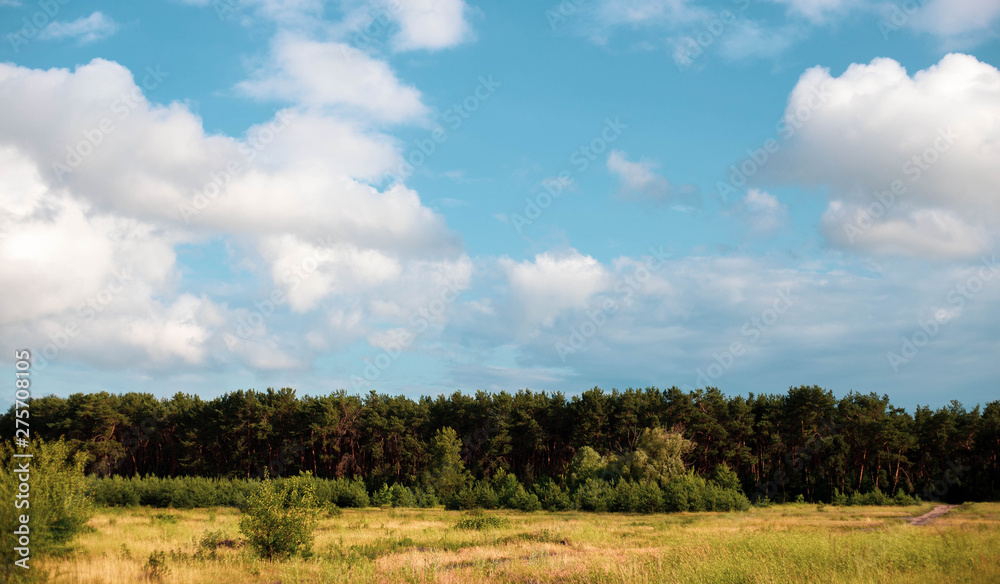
[[931, 515]]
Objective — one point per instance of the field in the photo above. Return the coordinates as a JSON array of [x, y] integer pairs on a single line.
[[780, 544]]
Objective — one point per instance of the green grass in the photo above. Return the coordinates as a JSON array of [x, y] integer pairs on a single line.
[[780, 544]]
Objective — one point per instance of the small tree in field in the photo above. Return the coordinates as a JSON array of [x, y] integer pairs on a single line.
[[278, 523], [446, 471]]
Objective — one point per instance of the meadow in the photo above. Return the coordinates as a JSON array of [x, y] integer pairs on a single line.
[[776, 544]]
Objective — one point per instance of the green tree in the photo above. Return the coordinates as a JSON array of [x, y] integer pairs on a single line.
[[659, 456], [278, 523], [446, 471]]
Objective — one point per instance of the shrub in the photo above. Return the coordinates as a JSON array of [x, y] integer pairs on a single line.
[[593, 495], [278, 524], [382, 497], [551, 496], [156, 566], [485, 496], [726, 478], [482, 522], [60, 506], [513, 495], [402, 496], [463, 499], [425, 496]]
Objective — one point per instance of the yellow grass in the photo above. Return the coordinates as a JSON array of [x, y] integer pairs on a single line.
[[781, 544]]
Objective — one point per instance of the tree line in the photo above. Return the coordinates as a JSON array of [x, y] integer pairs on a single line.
[[805, 444]]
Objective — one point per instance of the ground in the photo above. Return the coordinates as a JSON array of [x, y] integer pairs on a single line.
[[780, 544]]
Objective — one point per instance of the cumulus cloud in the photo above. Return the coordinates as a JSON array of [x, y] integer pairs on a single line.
[[430, 24], [640, 180], [552, 282], [333, 75], [95, 186], [955, 18], [762, 212], [85, 30], [910, 161]]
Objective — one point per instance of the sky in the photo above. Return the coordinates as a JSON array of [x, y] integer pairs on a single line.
[[426, 196]]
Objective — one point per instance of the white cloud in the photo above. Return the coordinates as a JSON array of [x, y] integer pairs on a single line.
[[553, 282], [748, 39], [936, 135], [762, 212], [950, 18], [297, 193], [430, 24], [633, 12], [819, 11], [85, 30], [334, 75], [639, 179]]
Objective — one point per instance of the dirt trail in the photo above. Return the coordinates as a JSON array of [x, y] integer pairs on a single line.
[[931, 515]]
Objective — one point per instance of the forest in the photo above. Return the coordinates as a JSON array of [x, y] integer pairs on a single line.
[[801, 445]]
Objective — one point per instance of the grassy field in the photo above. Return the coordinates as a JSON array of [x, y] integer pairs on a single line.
[[781, 544]]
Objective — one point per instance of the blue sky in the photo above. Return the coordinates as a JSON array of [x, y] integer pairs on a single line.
[[424, 196]]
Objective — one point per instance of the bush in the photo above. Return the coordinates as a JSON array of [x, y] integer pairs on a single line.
[[551, 496], [59, 503], [156, 566], [725, 477], [382, 497], [463, 499], [482, 522], [593, 495], [485, 496], [513, 495], [425, 497], [402, 496], [280, 523], [690, 492]]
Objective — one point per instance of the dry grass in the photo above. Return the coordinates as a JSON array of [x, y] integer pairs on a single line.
[[789, 543]]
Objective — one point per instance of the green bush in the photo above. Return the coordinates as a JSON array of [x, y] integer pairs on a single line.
[[382, 497], [402, 496], [278, 523], [58, 507], [156, 566], [513, 495], [486, 497], [551, 496], [593, 495], [482, 522], [465, 498], [426, 497]]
